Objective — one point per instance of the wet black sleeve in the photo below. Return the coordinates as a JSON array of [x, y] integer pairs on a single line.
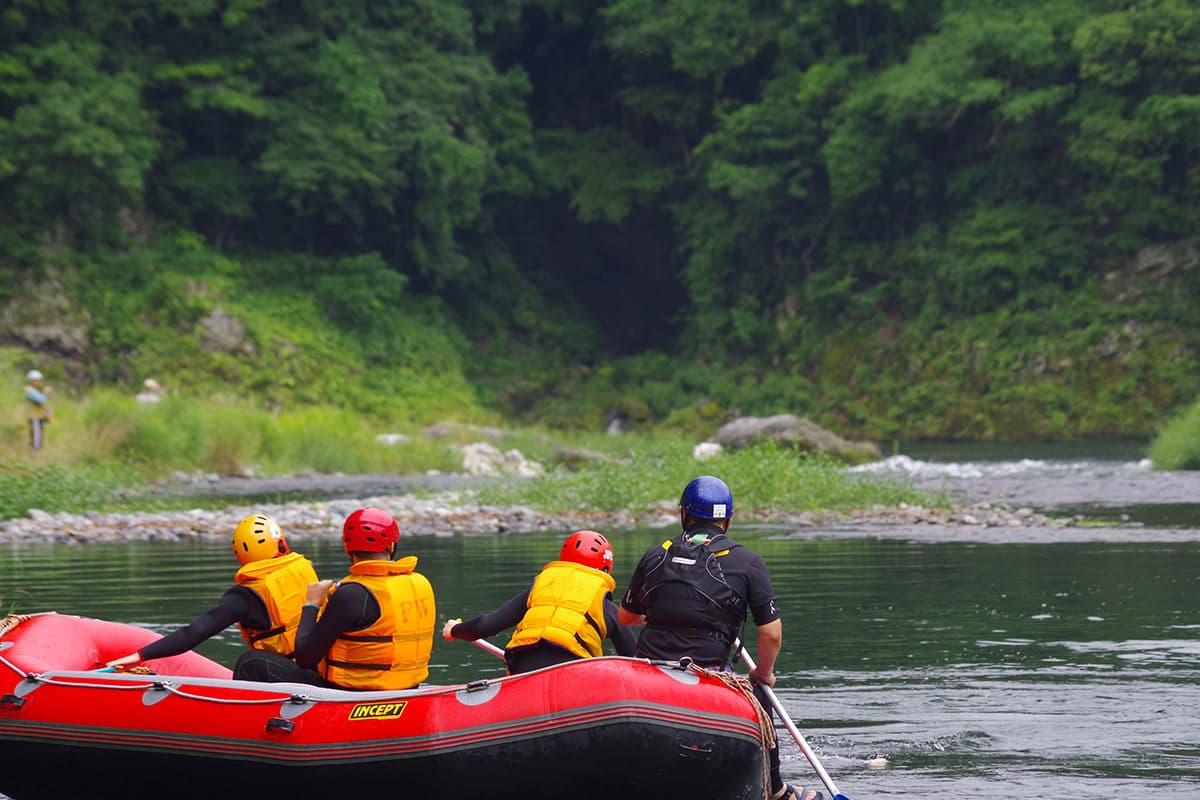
[[492, 622], [352, 607], [632, 599], [620, 635], [235, 605], [763, 608]]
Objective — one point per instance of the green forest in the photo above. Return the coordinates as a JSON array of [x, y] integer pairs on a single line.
[[904, 219]]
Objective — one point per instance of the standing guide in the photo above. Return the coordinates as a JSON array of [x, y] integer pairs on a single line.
[[37, 397], [693, 594]]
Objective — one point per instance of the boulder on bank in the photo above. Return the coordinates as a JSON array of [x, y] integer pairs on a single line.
[[485, 459], [792, 431]]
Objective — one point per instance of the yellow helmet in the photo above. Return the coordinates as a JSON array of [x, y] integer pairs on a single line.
[[258, 537]]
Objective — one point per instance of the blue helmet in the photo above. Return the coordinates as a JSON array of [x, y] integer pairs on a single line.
[[708, 498]]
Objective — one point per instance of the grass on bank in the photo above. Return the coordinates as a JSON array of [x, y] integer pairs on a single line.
[[105, 453], [762, 478], [225, 436], [1177, 445]]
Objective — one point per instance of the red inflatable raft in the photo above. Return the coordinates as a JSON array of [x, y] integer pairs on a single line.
[[593, 728]]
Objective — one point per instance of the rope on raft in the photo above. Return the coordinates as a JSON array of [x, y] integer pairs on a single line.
[[13, 620], [53, 679], [766, 726]]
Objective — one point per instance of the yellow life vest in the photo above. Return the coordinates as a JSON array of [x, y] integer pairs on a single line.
[[566, 607], [281, 583], [37, 410], [393, 652]]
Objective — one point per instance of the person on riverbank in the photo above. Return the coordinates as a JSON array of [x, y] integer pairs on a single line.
[[694, 592], [265, 600], [151, 392], [37, 398], [566, 614], [376, 628]]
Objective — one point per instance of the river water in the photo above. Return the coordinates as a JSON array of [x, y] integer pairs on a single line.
[[980, 663]]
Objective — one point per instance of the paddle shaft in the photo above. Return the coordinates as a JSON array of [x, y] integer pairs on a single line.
[[793, 730], [484, 644]]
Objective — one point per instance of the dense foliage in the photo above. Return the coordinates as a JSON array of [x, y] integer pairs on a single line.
[[905, 218]]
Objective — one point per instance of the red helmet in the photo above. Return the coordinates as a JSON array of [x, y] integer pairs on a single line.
[[588, 548], [369, 530]]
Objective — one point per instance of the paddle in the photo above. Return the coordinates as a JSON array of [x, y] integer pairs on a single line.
[[484, 644], [793, 730]]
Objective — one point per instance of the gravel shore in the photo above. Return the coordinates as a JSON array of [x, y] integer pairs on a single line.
[[451, 513]]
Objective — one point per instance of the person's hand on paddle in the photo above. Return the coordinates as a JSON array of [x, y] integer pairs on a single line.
[[125, 661], [448, 627], [764, 676], [318, 592]]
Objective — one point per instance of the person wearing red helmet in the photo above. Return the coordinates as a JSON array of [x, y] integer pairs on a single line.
[[566, 614], [376, 631]]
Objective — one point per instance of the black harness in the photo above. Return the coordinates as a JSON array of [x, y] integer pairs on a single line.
[[686, 591]]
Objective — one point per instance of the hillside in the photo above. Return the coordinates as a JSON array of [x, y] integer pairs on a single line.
[[1101, 365], [905, 220]]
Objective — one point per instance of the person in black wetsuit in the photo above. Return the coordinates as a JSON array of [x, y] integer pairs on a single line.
[[265, 600], [565, 615], [694, 592]]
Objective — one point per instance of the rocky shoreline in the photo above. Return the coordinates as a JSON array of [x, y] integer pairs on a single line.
[[452, 513]]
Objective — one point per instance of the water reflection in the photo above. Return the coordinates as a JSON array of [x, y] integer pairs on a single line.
[[978, 670], [1146, 515]]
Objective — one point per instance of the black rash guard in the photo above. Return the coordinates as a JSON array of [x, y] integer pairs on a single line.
[[746, 574], [351, 608], [542, 654], [238, 604]]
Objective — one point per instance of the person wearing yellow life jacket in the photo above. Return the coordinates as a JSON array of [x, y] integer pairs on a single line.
[[566, 614], [37, 397], [376, 631], [265, 600]]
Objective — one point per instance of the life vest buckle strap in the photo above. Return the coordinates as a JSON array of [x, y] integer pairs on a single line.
[[258, 637], [356, 665]]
